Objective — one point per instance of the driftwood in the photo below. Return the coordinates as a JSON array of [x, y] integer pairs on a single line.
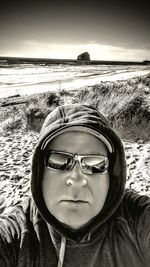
[[12, 103]]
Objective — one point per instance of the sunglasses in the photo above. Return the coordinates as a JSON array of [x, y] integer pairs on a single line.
[[89, 164]]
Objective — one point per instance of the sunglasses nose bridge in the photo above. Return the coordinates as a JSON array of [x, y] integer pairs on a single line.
[[77, 159]]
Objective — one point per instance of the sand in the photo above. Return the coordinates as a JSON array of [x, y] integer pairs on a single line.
[[16, 151]]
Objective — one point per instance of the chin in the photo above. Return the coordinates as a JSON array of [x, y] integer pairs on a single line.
[[75, 226]]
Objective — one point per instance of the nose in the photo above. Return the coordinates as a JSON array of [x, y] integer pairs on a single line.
[[76, 177]]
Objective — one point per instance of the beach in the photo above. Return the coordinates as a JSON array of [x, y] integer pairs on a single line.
[[17, 142]]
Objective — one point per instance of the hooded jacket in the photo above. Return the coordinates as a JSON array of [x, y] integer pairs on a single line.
[[119, 236]]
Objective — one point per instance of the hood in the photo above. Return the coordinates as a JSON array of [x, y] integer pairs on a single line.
[[64, 118]]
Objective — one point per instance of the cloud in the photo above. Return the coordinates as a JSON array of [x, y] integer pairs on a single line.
[[31, 48]]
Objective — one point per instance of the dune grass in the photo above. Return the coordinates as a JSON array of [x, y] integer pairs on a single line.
[[126, 104]]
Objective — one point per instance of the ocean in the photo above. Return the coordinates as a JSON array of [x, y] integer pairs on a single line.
[[27, 79]]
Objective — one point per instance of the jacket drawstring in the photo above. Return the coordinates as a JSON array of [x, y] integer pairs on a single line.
[[62, 252], [62, 247]]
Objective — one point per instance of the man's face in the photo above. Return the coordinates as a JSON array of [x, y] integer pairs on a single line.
[[71, 196]]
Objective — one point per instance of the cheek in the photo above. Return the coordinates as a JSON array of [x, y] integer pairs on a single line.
[[51, 187], [100, 186]]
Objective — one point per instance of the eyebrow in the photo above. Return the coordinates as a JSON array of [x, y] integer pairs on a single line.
[[70, 153]]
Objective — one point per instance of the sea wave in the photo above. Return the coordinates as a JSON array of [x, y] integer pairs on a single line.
[[25, 79]]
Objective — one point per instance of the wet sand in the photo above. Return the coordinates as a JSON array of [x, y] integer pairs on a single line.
[[66, 82]]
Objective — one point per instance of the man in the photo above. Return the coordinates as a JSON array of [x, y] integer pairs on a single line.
[[80, 213]]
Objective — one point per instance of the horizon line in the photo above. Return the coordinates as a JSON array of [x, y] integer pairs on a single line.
[[73, 60]]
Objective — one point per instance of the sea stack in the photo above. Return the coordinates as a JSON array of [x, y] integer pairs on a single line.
[[84, 57]]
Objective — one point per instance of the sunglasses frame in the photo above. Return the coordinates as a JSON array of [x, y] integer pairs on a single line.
[[77, 158]]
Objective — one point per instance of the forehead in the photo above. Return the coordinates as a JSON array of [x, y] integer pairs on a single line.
[[77, 142]]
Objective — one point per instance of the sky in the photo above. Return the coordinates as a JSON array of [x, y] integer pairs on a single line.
[[114, 30]]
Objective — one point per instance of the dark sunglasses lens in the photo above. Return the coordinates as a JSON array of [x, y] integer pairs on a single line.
[[58, 161], [94, 164]]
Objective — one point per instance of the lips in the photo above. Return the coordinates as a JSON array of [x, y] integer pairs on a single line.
[[77, 201]]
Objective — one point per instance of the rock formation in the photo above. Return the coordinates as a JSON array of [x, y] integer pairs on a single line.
[[84, 57]]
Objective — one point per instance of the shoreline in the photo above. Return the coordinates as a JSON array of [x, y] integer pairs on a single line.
[[69, 83]]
